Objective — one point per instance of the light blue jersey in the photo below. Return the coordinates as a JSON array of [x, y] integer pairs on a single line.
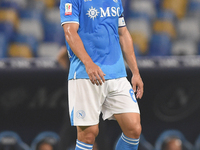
[[98, 21]]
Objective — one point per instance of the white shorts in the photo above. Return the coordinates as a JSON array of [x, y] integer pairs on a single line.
[[87, 101]]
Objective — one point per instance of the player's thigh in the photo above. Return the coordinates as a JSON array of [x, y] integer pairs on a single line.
[[121, 99]]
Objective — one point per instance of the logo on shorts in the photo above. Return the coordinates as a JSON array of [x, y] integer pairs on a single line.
[[132, 95], [80, 114]]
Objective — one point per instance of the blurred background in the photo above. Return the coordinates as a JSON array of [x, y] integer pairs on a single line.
[[33, 85]]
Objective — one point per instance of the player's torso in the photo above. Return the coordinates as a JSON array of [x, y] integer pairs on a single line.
[[98, 28]]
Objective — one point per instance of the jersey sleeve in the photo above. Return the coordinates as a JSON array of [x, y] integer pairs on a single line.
[[69, 11]]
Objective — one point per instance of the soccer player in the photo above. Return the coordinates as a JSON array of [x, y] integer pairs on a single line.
[[96, 40]]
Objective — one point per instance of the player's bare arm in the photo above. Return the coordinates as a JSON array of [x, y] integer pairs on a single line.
[[94, 72], [63, 58], [129, 55]]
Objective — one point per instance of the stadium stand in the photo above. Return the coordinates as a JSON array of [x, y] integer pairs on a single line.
[[49, 3], [29, 40], [172, 134], [145, 7], [7, 29], [160, 45], [3, 46], [164, 26], [139, 25], [179, 7], [141, 41], [14, 4], [144, 18], [189, 28], [184, 47], [11, 140], [36, 14], [140, 31], [48, 50], [166, 15], [35, 4], [31, 27], [9, 15], [20, 51], [194, 8]]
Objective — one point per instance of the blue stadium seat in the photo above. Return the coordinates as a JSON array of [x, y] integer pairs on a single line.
[[47, 136], [194, 6], [199, 48], [7, 28], [157, 4], [52, 27], [53, 32], [10, 4], [174, 134], [3, 45], [31, 14], [197, 143], [160, 45], [166, 15], [11, 140], [136, 50], [27, 39]]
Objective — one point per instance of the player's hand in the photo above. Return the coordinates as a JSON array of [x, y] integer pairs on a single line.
[[138, 86], [95, 74]]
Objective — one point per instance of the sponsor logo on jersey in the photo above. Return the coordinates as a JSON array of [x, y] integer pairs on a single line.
[[80, 114], [92, 13], [108, 12], [132, 95], [68, 9]]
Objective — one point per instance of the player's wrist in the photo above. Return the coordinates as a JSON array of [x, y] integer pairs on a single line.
[[87, 62], [135, 71]]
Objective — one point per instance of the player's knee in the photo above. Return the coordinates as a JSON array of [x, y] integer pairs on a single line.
[[134, 130], [89, 135], [90, 138]]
